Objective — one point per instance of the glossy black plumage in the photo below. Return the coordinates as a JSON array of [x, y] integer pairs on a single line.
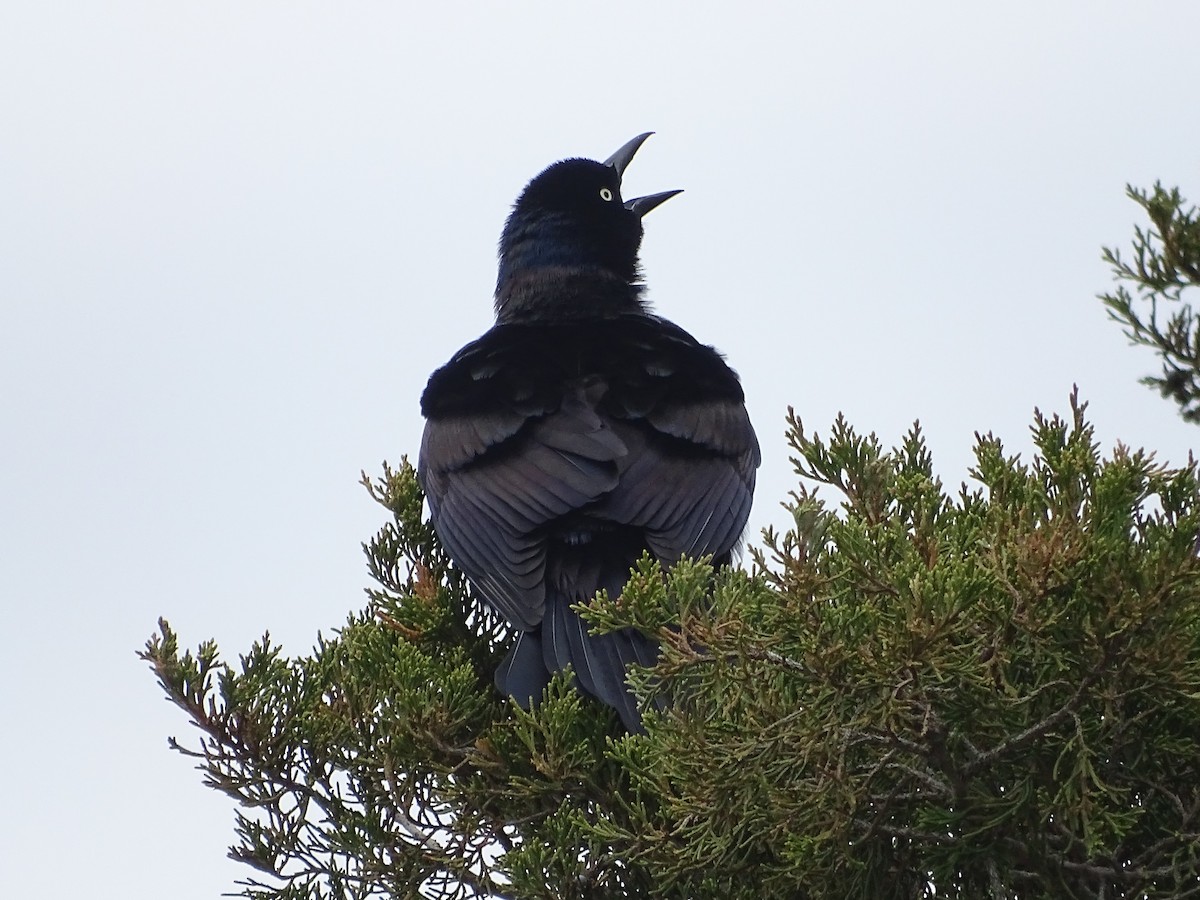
[[580, 431]]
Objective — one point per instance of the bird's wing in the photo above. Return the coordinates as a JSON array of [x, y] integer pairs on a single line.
[[689, 477], [505, 453], [629, 420]]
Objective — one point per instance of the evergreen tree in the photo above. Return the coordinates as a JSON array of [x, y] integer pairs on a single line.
[[992, 692], [1165, 262]]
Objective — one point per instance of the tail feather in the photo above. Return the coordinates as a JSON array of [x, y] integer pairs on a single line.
[[600, 662], [523, 674]]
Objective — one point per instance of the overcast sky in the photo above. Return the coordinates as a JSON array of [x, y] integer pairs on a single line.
[[237, 237]]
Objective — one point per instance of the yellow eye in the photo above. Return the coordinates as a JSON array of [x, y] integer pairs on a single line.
[[605, 194]]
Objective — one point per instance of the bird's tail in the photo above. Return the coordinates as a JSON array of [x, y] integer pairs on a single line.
[[600, 662]]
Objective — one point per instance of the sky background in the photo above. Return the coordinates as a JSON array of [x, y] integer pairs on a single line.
[[237, 237]]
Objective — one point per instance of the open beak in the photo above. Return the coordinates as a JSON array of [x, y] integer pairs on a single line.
[[620, 161]]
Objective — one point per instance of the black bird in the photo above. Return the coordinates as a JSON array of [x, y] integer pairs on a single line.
[[580, 431]]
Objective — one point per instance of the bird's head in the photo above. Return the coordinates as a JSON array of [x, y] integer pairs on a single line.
[[570, 246]]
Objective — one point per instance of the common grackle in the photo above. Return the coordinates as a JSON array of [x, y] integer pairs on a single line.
[[579, 432]]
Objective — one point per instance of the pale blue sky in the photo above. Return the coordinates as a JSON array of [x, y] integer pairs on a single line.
[[238, 237]]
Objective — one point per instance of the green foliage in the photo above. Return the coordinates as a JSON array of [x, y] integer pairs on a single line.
[[1166, 261], [995, 692]]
